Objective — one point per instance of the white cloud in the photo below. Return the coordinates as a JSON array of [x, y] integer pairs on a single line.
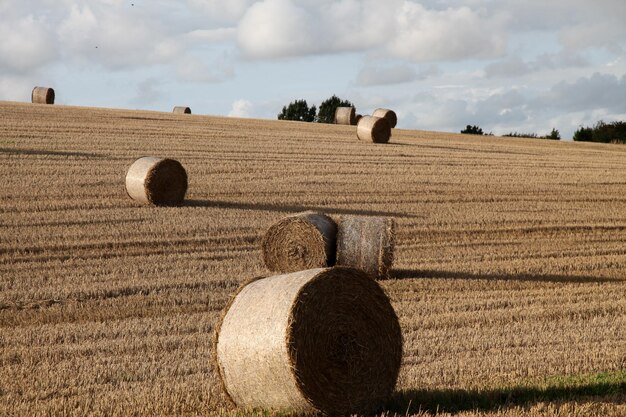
[[241, 108], [394, 74], [26, 44], [191, 68]]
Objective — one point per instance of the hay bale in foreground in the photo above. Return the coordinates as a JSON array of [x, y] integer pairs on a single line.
[[157, 181], [301, 241], [182, 110], [390, 115], [345, 116], [375, 129], [366, 243], [42, 95], [316, 341]]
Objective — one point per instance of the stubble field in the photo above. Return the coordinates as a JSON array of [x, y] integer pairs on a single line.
[[509, 280]]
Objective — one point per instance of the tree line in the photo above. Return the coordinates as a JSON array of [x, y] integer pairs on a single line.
[[299, 110]]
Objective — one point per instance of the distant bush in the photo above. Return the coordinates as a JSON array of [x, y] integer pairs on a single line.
[[602, 132], [472, 130], [298, 110], [554, 135], [327, 109]]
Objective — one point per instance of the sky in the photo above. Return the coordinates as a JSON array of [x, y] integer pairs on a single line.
[[506, 65]]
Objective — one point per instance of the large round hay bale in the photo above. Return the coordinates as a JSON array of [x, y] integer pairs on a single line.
[[375, 129], [316, 341], [157, 181], [390, 115], [345, 116], [301, 241], [366, 243], [182, 110], [42, 95], [357, 118]]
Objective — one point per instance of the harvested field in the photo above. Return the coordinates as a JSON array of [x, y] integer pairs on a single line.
[[509, 275]]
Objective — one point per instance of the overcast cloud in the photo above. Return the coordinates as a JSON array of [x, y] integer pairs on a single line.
[[504, 65]]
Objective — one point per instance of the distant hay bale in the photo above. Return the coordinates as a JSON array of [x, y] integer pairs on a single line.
[[317, 341], [42, 95], [182, 110], [157, 181], [357, 118], [390, 115], [366, 243], [345, 116], [301, 241], [375, 129]]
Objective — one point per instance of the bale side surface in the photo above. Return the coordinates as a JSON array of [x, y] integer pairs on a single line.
[[366, 243], [345, 116], [390, 115], [42, 95], [374, 129], [156, 181], [182, 110], [322, 340], [299, 242]]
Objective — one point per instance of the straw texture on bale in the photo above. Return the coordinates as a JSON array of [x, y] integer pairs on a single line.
[[345, 116], [42, 95], [390, 115], [157, 181], [301, 241], [375, 129], [366, 243], [182, 110], [316, 341]]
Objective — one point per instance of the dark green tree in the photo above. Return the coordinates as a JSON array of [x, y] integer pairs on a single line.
[[554, 135], [328, 107], [583, 134], [473, 130], [298, 110]]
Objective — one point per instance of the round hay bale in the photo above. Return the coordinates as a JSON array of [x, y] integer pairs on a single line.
[[42, 95], [301, 241], [182, 110], [157, 181], [375, 129], [366, 243], [357, 118], [345, 116], [390, 115], [318, 341]]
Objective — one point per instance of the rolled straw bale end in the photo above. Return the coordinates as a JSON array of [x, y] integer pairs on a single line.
[[317, 341], [366, 243], [42, 95], [157, 181], [357, 118], [301, 241], [390, 115], [345, 116], [375, 129], [182, 110]]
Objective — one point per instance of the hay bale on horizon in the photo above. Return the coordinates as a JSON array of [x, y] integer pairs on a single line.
[[390, 115], [42, 95], [317, 341], [345, 116], [157, 181], [374, 129], [301, 241], [366, 243], [182, 110]]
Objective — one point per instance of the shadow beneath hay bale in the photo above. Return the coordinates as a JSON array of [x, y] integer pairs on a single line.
[[17, 151], [425, 273], [458, 400], [292, 208]]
